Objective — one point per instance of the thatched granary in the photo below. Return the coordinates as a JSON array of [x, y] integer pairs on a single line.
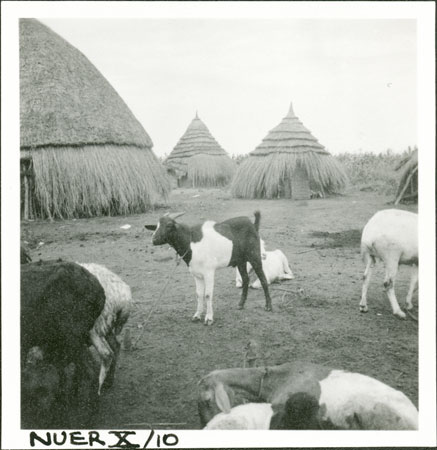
[[288, 163], [408, 187], [198, 160], [83, 153]]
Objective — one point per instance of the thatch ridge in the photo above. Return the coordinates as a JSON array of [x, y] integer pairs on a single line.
[[65, 100], [288, 146], [200, 158]]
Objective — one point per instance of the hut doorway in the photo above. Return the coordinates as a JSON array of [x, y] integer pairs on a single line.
[[300, 184], [296, 186]]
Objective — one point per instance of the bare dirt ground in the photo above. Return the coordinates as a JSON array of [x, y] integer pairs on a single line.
[[319, 321]]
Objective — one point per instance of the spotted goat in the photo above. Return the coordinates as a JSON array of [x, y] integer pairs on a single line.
[[210, 246]]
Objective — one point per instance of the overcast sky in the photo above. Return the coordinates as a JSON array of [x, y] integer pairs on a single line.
[[352, 82]]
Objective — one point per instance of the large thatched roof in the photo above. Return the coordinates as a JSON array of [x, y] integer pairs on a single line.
[[199, 158], [65, 100], [286, 147], [88, 153]]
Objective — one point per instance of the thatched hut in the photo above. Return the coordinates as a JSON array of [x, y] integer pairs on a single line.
[[83, 153], [408, 187], [289, 163], [198, 160]]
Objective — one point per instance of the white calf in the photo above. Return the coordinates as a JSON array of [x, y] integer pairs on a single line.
[[250, 416], [390, 235], [275, 267]]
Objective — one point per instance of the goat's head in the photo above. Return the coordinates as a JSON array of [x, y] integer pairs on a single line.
[[40, 391], [212, 399], [165, 228], [301, 411]]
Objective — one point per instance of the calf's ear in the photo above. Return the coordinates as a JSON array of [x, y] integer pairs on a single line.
[[222, 399], [151, 227]]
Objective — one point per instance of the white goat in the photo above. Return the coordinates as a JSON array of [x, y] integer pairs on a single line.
[[307, 396], [391, 236], [211, 246], [105, 335], [275, 267], [250, 416]]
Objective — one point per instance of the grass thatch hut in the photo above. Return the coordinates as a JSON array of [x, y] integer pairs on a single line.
[[408, 187], [198, 160], [83, 153], [288, 163]]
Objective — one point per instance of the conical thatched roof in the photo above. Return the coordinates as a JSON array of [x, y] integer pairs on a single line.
[[286, 148], [199, 158], [408, 183], [88, 152]]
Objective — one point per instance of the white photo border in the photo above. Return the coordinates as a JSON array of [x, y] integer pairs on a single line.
[[423, 12]]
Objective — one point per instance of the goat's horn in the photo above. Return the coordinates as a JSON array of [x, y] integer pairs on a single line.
[[176, 215]]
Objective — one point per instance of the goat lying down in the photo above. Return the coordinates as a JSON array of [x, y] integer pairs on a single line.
[[390, 235], [305, 396], [275, 267], [211, 246]]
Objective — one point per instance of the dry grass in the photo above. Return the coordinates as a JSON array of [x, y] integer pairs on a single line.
[[371, 171], [96, 180], [261, 177]]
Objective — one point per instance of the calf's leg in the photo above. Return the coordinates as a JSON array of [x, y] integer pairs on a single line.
[[242, 268], [200, 293], [413, 285], [391, 270], [370, 263], [209, 290], [257, 267]]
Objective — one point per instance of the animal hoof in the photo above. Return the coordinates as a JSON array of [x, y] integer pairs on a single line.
[[240, 306], [195, 319], [268, 308], [208, 322], [400, 314], [363, 309]]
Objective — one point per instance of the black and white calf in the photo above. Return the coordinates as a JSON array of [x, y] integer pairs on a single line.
[[210, 246]]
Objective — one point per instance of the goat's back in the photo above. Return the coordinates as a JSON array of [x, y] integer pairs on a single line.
[[118, 294], [60, 302], [391, 230]]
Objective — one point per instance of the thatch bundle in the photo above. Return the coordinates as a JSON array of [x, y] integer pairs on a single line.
[[288, 163], [198, 160], [83, 152], [408, 183]]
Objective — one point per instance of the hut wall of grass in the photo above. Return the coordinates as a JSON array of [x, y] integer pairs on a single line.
[[83, 153], [94, 180], [198, 160], [288, 163], [203, 170], [263, 176]]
